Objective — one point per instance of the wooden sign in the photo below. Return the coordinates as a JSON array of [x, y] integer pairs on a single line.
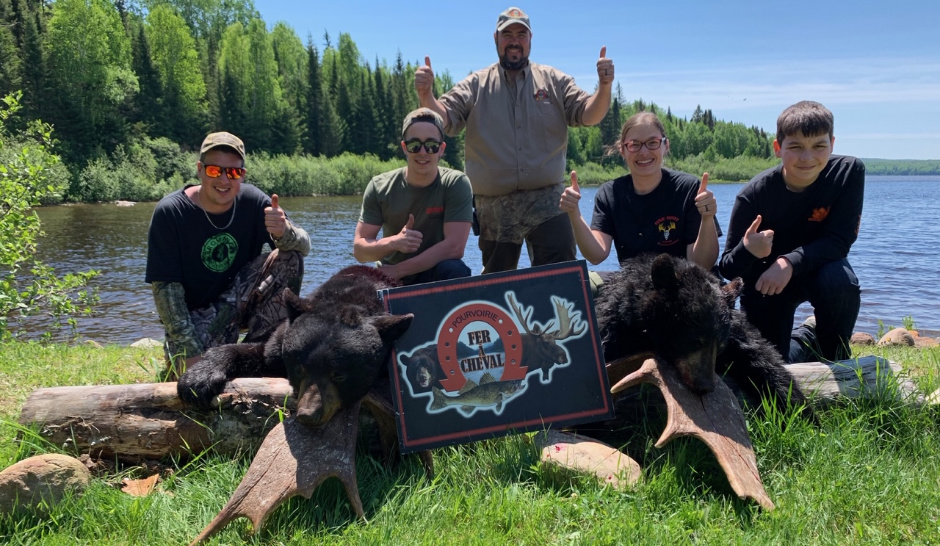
[[497, 354]]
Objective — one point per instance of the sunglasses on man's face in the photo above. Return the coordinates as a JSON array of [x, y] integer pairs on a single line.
[[414, 145], [233, 173]]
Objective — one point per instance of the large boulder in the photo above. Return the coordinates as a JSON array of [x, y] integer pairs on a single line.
[[898, 336], [41, 481]]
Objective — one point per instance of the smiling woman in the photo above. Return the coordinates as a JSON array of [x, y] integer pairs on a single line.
[[651, 209]]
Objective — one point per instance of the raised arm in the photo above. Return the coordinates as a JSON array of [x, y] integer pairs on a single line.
[[424, 86], [594, 245], [704, 251], [597, 105]]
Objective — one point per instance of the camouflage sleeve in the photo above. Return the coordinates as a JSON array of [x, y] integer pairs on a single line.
[[181, 339], [294, 238]]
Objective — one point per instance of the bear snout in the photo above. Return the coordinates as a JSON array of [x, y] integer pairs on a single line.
[[317, 404], [697, 372]]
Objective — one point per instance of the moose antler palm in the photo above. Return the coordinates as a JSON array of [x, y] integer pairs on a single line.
[[562, 313]]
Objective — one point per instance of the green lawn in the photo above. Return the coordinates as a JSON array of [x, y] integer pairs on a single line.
[[867, 473]]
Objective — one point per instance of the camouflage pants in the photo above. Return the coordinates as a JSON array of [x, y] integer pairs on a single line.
[[253, 303]]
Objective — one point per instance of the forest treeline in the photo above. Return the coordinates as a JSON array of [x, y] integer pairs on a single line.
[[132, 86]]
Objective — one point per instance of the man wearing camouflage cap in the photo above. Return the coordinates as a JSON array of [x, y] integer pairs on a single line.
[[209, 277], [517, 115], [423, 210]]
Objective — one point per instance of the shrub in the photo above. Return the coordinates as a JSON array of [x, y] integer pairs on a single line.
[[30, 175]]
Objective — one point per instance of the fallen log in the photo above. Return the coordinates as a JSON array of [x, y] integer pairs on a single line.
[[148, 421], [823, 383]]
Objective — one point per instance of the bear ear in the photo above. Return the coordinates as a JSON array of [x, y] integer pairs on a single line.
[[295, 306], [732, 290], [663, 272], [392, 327]]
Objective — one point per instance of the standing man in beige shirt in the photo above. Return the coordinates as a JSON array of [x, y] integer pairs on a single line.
[[517, 115]]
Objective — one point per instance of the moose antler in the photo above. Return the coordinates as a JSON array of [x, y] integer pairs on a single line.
[[295, 459], [523, 317], [563, 312], [714, 418]]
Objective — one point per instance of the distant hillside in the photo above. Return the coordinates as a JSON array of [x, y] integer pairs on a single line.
[[902, 166]]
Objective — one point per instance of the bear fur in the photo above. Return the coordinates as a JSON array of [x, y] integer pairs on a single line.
[[331, 348], [679, 311]]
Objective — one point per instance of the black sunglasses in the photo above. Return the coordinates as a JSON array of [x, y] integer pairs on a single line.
[[413, 146]]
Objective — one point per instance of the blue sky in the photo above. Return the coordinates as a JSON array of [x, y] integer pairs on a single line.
[[876, 65]]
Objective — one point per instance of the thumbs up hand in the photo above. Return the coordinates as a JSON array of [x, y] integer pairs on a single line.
[[424, 80], [758, 243], [571, 197], [605, 68], [408, 239], [705, 200], [275, 221]]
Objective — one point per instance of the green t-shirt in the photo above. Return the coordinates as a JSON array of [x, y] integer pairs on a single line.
[[388, 200]]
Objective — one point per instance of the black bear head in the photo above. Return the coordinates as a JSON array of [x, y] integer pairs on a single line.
[[331, 364], [687, 318]]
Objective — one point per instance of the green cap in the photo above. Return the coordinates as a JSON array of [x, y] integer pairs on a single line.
[[223, 140], [512, 16], [419, 115]]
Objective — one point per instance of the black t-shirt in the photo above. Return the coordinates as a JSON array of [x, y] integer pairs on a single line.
[[182, 245], [663, 220], [811, 228]]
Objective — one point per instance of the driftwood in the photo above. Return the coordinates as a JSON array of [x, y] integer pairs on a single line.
[[148, 420]]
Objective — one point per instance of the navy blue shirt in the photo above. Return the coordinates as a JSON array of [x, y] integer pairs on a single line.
[[811, 228], [664, 220]]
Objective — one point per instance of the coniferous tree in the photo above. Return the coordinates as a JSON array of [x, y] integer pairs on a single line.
[[10, 60], [147, 109], [313, 141]]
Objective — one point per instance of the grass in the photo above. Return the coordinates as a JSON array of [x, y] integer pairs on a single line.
[[866, 473]]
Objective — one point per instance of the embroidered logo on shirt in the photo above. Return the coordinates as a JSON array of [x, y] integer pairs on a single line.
[[819, 214], [666, 226], [540, 95]]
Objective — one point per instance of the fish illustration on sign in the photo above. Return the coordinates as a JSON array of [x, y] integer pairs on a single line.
[[489, 394]]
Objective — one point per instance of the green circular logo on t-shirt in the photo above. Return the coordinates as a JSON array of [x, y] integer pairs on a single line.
[[219, 252]]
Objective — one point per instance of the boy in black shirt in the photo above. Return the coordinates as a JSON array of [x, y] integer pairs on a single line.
[[790, 233]]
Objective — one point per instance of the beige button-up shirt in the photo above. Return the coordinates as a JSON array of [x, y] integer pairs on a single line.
[[517, 135]]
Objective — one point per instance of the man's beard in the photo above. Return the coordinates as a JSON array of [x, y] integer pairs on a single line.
[[512, 65]]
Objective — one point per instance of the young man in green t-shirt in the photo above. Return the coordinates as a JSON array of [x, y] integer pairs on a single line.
[[424, 210]]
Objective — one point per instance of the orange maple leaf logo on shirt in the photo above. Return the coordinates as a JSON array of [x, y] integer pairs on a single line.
[[819, 214]]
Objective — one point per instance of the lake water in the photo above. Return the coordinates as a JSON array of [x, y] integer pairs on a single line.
[[894, 257]]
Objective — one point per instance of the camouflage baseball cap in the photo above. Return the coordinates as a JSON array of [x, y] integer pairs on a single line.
[[223, 139], [512, 16], [419, 115]]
